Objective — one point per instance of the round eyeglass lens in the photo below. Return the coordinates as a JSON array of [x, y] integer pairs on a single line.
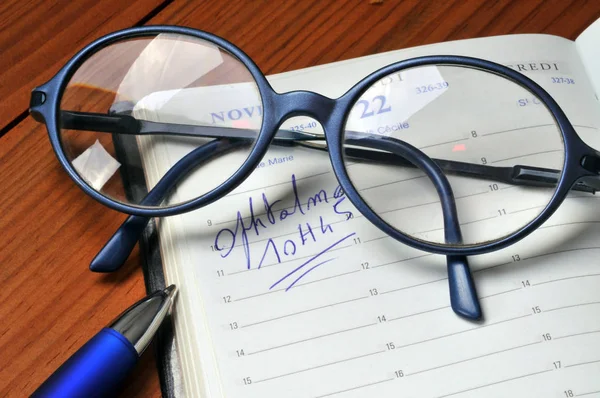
[[157, 121], [490, 137]]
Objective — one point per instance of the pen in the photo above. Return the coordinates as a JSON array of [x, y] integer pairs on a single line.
[[97, 368]]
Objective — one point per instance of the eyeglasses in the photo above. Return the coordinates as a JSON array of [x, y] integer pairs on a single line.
[[400, 141]]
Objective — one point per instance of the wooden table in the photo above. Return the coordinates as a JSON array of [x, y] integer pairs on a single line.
[[50, 302]]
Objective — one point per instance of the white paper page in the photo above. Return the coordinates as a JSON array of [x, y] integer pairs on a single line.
[[372, 316], [589, 51]]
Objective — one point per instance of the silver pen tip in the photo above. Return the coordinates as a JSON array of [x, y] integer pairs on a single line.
[[140, 322], [171, 291]]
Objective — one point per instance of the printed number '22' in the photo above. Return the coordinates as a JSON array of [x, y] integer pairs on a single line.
[[378, 106]]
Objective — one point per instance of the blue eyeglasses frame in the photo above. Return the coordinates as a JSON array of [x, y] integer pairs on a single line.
[[581, 162]]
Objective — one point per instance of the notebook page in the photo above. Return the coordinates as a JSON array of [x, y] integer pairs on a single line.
[[367, 316], [587, 46]]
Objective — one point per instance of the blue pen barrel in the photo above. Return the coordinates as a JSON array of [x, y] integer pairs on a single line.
[[95, 370]]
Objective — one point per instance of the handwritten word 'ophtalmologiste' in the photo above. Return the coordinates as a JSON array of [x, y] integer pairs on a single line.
[[253, 224]]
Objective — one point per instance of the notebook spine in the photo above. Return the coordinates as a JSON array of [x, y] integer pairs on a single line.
[[131, 170]]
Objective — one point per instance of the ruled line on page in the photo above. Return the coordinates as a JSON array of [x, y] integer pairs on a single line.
[[468, 222], [350, 272], [572, 306], [517, 129], [492, 267], [276, 184], [303, 312], [397, 182], [562, 251], [471, 194], [444, 279], [473, 358], [326, 278], [380, 213], [258, 295], [446, 306], [445, 143], [585, 127], [418, 313], [296, 286], [496, 383], [527, 155], [537, 256], [588, 196], [576, 334], [463, 331], [400, 261], [355, 388], [531, 127], [321, 366], [588, 393], [582, 363], [570, 222], [500, 293], [479, 220], [312, 338], [413, 286], [566, 278], [526, 209], [432, 230]]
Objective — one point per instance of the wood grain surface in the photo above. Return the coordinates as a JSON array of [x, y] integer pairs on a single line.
[[38, 37], [50, 302]]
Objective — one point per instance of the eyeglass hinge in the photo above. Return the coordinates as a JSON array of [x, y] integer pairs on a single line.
[[37, 99], [591, 163]]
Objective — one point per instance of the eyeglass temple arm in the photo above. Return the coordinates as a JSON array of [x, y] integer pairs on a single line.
[[463, 295], [115, 252], [118, 248], [530, 176], [125, 124]]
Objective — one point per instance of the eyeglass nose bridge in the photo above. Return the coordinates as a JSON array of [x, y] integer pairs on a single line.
[[305, 103]]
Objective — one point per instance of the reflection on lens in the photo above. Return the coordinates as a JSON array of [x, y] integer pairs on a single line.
[[168, 114], [478, 127]]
